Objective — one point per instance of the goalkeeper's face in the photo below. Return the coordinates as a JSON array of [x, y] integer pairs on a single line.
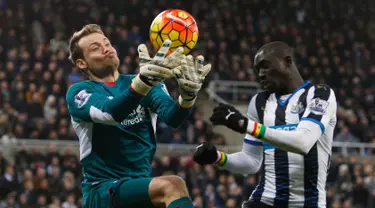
[[100, 58]]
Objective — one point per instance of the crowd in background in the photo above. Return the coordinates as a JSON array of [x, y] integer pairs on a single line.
[[333, 43], [52, 180]]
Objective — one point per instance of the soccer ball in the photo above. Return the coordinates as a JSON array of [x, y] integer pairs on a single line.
[[176, 25]]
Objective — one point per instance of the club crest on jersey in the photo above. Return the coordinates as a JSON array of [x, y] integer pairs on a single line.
[[297, 108], [81, 98], [318, 106], [137, 116]]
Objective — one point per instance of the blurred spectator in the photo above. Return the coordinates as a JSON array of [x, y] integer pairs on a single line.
[[35, 74]]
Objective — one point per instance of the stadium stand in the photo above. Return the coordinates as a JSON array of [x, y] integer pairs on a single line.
[[334, 44]]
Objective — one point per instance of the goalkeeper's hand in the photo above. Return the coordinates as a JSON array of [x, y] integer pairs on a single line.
[[190, 76], [205, 154], [155, 70]]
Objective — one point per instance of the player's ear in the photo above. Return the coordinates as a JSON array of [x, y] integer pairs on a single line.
[[81, 64]]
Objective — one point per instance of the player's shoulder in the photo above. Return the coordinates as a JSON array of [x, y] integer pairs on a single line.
[[322, 87], [322, 90], [260, 97], [78, 89], [87, 84]]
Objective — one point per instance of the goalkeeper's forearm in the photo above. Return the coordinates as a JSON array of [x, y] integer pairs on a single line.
[[248, 161], [299, 141], [139, 85]]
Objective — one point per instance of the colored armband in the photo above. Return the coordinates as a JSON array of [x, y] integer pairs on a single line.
[[222, 159], [258, 131]]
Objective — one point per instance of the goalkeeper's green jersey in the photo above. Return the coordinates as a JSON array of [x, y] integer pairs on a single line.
[[116, 127]]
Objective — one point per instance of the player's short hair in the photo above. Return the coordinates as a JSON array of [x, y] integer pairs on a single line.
[[75, 52]]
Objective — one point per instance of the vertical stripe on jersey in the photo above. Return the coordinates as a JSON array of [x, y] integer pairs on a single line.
[[294, 112], [281, 165], [260, 103], [311, 178], [312, 159]]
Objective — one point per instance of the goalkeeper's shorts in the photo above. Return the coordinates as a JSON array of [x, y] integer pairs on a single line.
[[129, 193]]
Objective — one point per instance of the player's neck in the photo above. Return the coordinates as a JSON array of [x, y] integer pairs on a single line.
[[290, 87], [111, 78], [294, 84]]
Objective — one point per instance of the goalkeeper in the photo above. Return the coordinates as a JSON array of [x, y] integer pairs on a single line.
[[114, 117]]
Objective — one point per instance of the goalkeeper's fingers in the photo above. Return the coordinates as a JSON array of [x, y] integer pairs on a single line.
[[144, 56], [174, 59], [160, 55], [156, 71], [190, 85], [202, 69]]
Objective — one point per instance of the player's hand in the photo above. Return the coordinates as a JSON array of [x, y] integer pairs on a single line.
[[157, 69], [190, 76], [229, 116], [205, 153]]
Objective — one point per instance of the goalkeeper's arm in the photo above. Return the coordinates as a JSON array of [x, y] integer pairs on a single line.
[[85, 104]]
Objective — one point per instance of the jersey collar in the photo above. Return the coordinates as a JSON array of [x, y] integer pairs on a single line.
[[282, 103]]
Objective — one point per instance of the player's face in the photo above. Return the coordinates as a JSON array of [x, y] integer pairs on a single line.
[[271, 71], [100, 58]]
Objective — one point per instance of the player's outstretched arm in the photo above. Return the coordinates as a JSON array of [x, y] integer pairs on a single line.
[[316, 118], [84, 104], [190, 75], [248, 161]]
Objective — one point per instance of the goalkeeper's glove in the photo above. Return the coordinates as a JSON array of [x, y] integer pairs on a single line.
[[229, 116], [190, 76], [205, 153], [155, 70]]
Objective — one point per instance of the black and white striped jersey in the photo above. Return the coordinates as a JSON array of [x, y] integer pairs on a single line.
[[289, 179]]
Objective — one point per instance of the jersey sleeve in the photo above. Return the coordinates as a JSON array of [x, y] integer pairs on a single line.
[[86, 104], [252, 114], [321, 105], [160, 102]]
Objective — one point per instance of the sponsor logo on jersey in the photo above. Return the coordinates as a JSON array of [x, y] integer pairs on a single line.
[[137, 116], [81, 98], [318, 106], [286, 127]]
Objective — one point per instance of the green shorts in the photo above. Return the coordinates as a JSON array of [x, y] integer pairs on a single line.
[[129, 193]]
